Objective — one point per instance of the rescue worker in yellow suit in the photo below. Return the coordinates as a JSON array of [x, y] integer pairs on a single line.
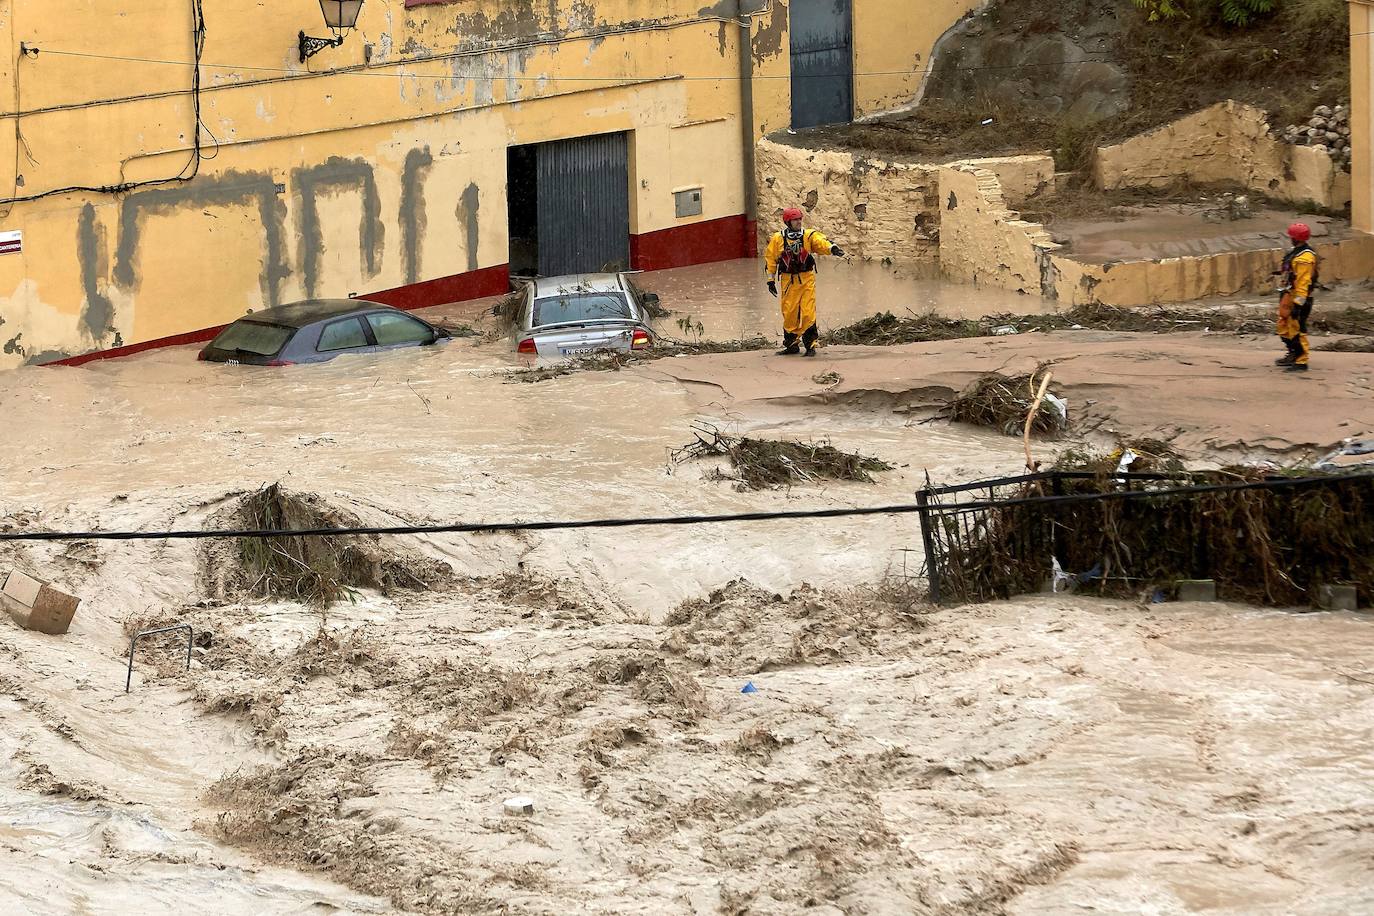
[[1299, 281], [790, 261]]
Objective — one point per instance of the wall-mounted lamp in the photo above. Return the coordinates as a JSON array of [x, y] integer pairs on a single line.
[[340, 16]]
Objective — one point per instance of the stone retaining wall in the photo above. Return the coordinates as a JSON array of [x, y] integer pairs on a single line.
[[1228, 142]]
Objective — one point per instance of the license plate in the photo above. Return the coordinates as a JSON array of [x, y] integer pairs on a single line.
[[232, 362], [578, 351]]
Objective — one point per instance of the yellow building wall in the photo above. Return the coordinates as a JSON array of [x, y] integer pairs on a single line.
[[894, 41], [376, 165]]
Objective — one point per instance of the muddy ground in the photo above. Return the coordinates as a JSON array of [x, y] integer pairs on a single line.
[[1045, 755]]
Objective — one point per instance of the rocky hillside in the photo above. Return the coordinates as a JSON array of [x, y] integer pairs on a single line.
[[1069, 75]]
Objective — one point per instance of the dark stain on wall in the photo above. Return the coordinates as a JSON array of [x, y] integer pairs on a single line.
[[229, 189], [469, 206], [332, 174], [413, 177], [770, 38], [97, 314]]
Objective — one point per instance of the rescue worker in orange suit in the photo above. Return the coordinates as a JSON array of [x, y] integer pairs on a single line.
[[790, 262], [1299, 281]]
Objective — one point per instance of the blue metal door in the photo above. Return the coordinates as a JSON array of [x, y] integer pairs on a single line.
[[822, 38], [584, 205]]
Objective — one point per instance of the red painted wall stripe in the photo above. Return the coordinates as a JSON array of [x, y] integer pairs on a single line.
[[698, 243], [681, 246], [491, 281]]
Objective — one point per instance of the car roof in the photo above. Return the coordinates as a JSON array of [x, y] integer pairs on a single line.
[[578, 283], [300, 314]]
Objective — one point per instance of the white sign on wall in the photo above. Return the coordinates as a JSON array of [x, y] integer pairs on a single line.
[[11, 242]]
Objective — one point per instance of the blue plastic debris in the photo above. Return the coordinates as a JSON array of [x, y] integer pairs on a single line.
[[749, 688], [1159, 597]]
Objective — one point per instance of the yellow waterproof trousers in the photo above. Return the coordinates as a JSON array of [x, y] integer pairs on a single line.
[[1292, 328], [797, 293]]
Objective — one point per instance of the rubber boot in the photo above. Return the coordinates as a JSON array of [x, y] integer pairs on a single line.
[[789, 345], [1292, 355], [809, 338]]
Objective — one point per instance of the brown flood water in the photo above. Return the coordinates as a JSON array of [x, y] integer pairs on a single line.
[[1038, 756]]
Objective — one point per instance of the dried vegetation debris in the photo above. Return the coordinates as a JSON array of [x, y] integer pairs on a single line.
[[762, 464], [615, 360], [1264, 546], [319, 570], [1004, 403]]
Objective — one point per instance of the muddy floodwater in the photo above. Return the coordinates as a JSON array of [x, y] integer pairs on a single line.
[[1044, 755]]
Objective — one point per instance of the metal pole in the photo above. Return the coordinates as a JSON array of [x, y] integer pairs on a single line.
[[746, 106], [928, 538]]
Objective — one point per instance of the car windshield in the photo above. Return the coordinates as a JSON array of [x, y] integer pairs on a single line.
[[251, 337], [580, 307]]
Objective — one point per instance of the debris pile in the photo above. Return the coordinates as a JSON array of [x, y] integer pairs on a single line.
[[615, 360], [1273, 546], [1328, 130], [1003, 403], [762, 464], [314, 570]]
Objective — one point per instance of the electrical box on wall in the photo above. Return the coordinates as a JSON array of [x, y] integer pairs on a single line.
[[688, 202]]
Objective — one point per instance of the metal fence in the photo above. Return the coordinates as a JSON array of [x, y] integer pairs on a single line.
[[1270, 541]]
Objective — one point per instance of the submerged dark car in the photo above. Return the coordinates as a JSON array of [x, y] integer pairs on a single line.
[[316, 331]]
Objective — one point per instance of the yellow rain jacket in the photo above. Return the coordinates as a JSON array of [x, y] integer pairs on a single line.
[[795, 273]]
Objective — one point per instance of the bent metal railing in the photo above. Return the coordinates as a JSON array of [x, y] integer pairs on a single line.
[[133, 644], [1269, 540]]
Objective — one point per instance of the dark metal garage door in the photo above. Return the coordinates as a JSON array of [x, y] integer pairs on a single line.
[[822, 62], [584, 205]]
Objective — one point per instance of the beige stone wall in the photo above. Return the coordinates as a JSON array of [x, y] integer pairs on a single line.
[[879, 210], [1021, 178], [1226, 142], [1136, 283], [982, 240]]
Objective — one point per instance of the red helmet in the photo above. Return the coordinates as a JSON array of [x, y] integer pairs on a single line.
[[1300, 232], [792, 213]]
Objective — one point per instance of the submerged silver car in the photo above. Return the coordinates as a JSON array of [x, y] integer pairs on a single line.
[[559, 317]]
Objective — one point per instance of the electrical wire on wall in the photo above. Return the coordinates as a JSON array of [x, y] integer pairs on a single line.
[[187, 172]]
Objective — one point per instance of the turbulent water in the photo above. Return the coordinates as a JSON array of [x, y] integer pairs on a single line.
[[1032, 757]]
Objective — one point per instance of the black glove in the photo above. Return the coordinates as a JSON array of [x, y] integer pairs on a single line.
[[837, 251], [773, 288]]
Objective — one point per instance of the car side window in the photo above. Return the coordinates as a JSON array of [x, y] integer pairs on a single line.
[[390, 329], [342, 335]]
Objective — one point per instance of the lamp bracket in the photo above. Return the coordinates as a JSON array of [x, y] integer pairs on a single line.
[[310, 46]]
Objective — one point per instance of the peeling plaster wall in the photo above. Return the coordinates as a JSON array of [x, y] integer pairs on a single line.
[[1226, 142], [877, 209], [983, 241]]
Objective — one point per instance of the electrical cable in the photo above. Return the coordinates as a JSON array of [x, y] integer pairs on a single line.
[[930, 509], [188, 171]]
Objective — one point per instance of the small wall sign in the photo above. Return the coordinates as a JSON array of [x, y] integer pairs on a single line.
[[11, 242]]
